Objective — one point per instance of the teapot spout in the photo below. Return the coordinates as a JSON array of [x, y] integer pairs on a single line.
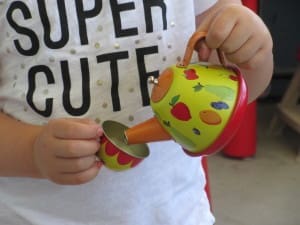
[[147, 131]]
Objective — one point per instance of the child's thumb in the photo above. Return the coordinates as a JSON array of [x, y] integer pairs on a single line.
[[203, 51]]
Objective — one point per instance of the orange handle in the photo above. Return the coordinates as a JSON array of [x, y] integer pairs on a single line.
[[191, 46]]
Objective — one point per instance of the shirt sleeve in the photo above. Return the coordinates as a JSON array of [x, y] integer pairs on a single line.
[[202, 5]]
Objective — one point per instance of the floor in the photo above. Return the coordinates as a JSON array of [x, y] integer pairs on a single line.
[[264, 189]]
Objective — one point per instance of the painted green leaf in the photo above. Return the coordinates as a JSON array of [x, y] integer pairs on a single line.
[[198, 87], [174, 100]]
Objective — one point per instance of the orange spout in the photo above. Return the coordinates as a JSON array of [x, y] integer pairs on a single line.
[[147, 131]]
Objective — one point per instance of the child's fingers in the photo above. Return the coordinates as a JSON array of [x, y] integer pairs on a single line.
[[75, 148], [70, 129], [228, 28], [255, 60], [236, 39], [75, 165], [82, 120], [219, 31], [247, 51], [203, 51], [80, 177]]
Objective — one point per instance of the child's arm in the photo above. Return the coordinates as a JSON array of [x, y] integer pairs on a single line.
[[244, 39], [16, 141], [62, 151]]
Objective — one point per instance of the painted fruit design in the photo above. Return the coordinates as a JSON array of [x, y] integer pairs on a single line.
[[219, 105], [199, 106], [179, 109], [191, 74], [222, 92], [210, 117], [114, 158]]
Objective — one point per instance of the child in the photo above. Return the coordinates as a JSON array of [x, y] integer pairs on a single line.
[[67, 66]]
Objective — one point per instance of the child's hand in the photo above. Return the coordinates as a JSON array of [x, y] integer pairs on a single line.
[[239, 33], [64, 151]]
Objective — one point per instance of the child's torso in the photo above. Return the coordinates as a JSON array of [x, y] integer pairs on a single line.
[[87, 58], [92, 59]]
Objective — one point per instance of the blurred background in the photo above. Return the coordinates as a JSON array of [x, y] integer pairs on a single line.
[[255, 179]]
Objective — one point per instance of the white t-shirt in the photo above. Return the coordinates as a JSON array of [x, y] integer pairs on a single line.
[[45, 48]]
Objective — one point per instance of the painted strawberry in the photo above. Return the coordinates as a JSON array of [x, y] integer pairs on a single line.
[[179, 109], [190, 74]]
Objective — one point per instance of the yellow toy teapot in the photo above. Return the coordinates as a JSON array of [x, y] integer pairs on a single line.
[[199, 106]]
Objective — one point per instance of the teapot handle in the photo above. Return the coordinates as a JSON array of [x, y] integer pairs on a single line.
[[191, 46]]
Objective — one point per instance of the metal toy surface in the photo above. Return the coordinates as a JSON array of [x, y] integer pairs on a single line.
[[197, 105], [115, 153]]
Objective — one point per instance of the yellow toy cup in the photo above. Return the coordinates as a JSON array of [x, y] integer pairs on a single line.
[[114, 152]]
